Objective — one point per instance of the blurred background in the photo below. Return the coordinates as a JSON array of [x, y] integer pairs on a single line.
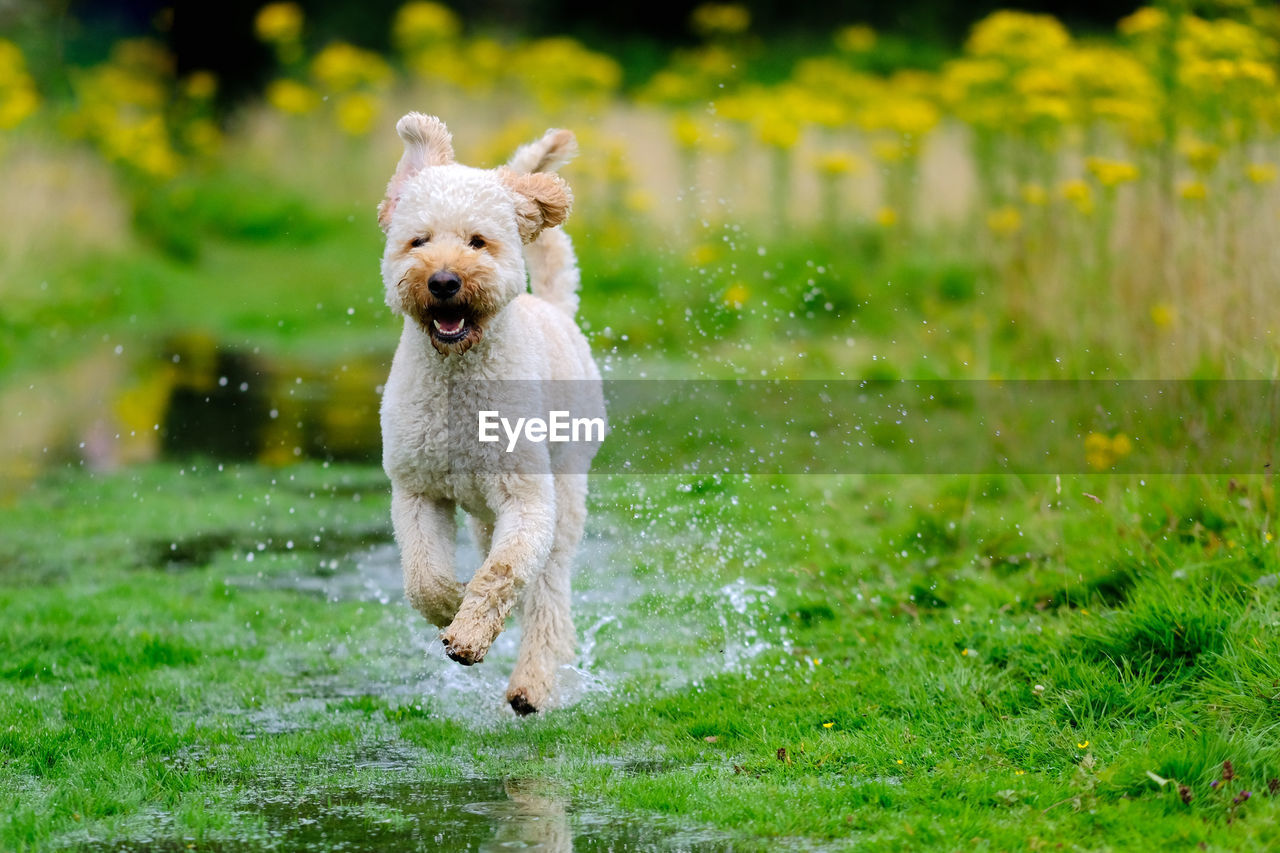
[[188, 251]]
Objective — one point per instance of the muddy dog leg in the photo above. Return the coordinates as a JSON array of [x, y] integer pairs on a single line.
[[522, 536], [427, 534], [547, 624]]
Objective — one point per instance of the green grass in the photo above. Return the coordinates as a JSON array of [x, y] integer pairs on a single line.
[[949, 659], [924, 662]]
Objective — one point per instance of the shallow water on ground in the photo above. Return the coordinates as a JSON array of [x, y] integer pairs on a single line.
[[669, 633], [633, 625], [480, 815]]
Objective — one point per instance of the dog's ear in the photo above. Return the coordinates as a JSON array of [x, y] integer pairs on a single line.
[[426, 143], [542, 201], [553, 150]]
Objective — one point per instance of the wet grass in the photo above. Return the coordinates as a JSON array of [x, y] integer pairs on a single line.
[[909, 662]]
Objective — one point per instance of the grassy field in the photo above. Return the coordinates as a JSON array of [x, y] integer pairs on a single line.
[[915, 662], [205, 645]]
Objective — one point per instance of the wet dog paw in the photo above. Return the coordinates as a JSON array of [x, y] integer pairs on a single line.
[[520, 702]]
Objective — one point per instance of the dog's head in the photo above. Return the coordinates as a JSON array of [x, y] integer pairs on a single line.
[[454, 257]]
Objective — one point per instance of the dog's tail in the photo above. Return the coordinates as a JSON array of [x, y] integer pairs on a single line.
[[553, 266]]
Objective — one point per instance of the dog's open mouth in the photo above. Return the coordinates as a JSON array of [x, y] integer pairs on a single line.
[[450, 326]]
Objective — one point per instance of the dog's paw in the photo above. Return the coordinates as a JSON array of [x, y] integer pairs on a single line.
[[520, 702], [468, 641]]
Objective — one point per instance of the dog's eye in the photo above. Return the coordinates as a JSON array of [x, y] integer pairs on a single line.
[[476, 242], [418, 242]]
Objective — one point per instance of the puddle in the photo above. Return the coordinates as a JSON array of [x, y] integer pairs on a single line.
[[629, 627], [477, 815]]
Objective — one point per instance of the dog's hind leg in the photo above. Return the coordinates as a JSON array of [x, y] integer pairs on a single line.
[[522, 537], [427, 534], [547, 624]]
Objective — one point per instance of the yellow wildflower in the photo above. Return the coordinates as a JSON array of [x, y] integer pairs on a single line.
[[858, 38], [1078, 193], [888, 150], [1017, 36], [420, 25], [1004, 221], [828, 725], [687, 130], [278, 22], [834, 163], [1202, 156], [200, 85], [1102, 452], [1111, 173], [736, 295], [886, 217], [17, 103], [715, 19], [290, 96], [1261, 173], [355, 113], [1193, 190], [1163, 315], [1034, 195], [1084, 745], [1145, 20], [342, 67]]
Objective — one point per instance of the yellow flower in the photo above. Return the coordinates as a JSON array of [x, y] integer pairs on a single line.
[[1261, 173], [355, 113], [1163, 315], [1017, 36], [834, 163], [1111, 173], [886, 217], [714, 19], [1202, 156], [828, 725], [419, 25], [1078, 193], [278, 22], [342, 67], [736, 296], [858, 38], [1143, 21], [888, 150], [1004, 221], [687, 131], [16, 105], [1102, 452], [290, 96], [1193, 190], [202, 136], [200, 85], [18, 98], [703, 254], [1034, 195], [1084, 745]]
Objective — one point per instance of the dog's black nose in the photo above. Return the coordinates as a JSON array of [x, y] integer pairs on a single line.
[[444, 284]]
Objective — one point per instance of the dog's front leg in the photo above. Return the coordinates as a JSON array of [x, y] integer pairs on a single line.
[[522, 535], [427, 534]]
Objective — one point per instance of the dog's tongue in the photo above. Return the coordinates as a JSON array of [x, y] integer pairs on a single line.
[[450, 327]]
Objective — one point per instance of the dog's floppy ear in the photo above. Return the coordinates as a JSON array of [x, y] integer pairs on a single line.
[[426, 143], [542, 201]]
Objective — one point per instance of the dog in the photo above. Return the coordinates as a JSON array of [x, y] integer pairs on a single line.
[[460, 242]]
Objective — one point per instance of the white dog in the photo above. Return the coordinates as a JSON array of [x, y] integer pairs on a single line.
[[474, 340]]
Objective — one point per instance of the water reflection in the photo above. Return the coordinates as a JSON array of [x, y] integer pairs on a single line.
[[484, 815]]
